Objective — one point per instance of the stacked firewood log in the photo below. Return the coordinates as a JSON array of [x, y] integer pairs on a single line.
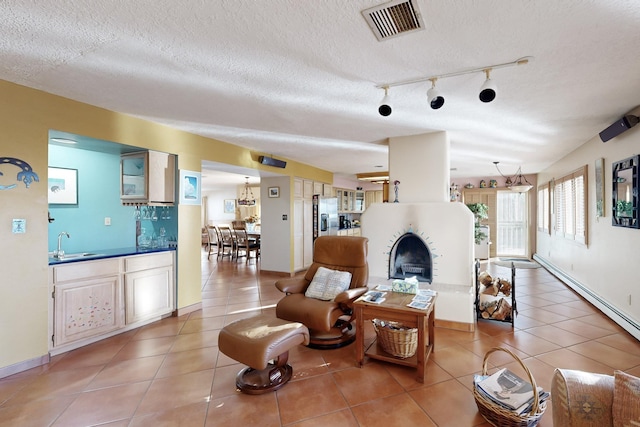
[[492, 304]]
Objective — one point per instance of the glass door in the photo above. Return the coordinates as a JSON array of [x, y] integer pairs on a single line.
[[512, 233]]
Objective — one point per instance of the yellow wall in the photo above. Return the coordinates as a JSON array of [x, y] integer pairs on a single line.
[[26, 116]]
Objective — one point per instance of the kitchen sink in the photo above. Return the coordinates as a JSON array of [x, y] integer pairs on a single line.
[[80, 255]]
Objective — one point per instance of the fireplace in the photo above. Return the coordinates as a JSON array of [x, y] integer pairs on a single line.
[[409, 257], [424, 234]]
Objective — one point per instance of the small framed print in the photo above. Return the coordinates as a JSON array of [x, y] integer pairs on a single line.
[[62, 186], [274, 192], [190, 188], [229, 205]]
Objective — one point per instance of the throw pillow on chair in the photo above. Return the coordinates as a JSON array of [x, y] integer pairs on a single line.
[[326, 284]]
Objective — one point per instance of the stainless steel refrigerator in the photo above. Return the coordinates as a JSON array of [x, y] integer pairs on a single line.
[[325, 216]]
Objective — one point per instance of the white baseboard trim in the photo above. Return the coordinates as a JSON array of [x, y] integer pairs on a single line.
[[609, 310], [188, 309], [24, 365]]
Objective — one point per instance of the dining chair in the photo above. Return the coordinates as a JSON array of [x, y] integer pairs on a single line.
[[227, 239], [238, 224], [206, 240], [213, 240], [246, 244]]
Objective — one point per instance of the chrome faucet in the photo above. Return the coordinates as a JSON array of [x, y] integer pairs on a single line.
[[59, 253]]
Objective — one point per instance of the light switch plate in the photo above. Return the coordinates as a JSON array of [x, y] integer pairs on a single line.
[[107, 221], [19, 226]]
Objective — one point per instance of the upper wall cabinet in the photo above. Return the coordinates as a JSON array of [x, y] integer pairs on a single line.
[[148, 177]]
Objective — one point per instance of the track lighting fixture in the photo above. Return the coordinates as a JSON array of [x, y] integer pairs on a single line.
[[433, 96], [488, 89], [517, 183], [385, 107]]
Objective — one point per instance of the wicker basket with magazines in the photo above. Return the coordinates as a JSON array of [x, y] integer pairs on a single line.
[[500, 416]]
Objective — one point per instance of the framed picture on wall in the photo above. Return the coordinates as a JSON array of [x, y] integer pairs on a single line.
[[62, 186], [599, 188], [190, 191], [229, 205], [274, 191]]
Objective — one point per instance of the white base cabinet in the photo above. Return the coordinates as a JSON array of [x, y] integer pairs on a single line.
[[87, 308], [93, 300], [149, 286]]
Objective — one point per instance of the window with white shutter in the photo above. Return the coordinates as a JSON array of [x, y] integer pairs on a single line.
[[570, 206]]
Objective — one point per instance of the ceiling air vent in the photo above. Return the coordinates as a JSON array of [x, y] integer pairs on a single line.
[[394, 18]]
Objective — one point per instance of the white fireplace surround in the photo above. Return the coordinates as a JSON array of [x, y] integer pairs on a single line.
[[447, 230], [421, 164]]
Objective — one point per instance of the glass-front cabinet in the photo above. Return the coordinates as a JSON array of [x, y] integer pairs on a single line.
[[147, 177], [359, 201], [134, 169], [350, 200]]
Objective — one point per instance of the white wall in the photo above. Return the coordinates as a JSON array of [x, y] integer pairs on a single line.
[[421, 164], [215, 206], [606, 272]]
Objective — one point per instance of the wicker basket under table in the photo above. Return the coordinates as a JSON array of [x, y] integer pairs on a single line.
[[401, 342], [498, 416]]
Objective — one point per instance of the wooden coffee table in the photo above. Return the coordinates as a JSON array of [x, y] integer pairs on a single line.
[[394, 308]]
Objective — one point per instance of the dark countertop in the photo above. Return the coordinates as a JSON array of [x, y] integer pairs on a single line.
[[107, 253]]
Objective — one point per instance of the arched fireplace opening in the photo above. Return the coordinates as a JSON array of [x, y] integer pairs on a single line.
[[410, 256]]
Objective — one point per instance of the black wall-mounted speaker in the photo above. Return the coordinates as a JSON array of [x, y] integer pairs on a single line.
[[270, 161], [625, 123]]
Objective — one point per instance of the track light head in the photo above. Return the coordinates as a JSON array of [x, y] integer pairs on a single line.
[[385, 106], [488, 89], [433, 96]]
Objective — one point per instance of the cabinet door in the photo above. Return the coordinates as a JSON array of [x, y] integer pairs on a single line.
[[327, 190], [134, 169], [298, 234], [351, 200], [317, 188], [297, 187], [308, 233], [162, 181], [307, 189], [359, 201], [149, 294], [87, 308]]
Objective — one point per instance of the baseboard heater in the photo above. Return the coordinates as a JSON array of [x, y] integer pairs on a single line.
[[609, 310]]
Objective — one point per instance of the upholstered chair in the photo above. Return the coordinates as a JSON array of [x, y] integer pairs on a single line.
[[328, 316], [585, 399]]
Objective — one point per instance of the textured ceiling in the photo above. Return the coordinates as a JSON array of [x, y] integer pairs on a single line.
[[297, 78]]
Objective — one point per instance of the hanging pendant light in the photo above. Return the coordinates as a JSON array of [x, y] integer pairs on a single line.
[[517, 183], [247, 198], [520, 185]]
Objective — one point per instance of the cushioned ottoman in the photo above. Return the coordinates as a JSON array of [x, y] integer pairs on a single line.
[[256, 341]]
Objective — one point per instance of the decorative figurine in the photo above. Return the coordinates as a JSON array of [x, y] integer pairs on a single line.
[[454, 194], [493, 183], [483, 184], [395, 189]]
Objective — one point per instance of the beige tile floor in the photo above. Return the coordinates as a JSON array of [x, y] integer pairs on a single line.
[[171, 373]]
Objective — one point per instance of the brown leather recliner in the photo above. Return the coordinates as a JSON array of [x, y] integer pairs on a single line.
[[329, 322]]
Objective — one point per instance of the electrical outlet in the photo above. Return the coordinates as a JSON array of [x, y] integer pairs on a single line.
[[107, 221]]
